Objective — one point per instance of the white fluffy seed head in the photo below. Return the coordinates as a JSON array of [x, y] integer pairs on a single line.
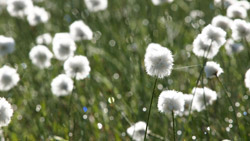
[[7, 45], [3, 3], [232, 47], [236, 11], [40, 56], [222, 22], [214, 34], [199, 94], [158, 60], [247, 79], [62, 85], [8, 78], [19, 8], [80, 31], [37, 15], [6, 112], [212, 69], [187, 98], [240, 29], [96, 5], [63, 46], [137, 131], [171, 100], [44, 39], [244, 4], [77, 67], [159, 2], [202, 47]]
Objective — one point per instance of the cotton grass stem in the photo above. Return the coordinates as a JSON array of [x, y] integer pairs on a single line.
[[200, 75], [231, 103], [173, 126], [72, 110], [151, 101], [206, 110], [156, 136], [247, 45]]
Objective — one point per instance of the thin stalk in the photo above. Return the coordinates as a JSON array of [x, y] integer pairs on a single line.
[[173, 125], [201, 71], [248, 52], [206, 111], [70, 111], [156, 136], [231, 103], [151, 101]]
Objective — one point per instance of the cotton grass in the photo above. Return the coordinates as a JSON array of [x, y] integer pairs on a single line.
[[6, 112], [171, 100], [62, 85], [8, 78], [137, 131], [247, 79], [202, 98], [63, 46], [158, 60], [77, 67], [19, 8], [38, 15], [7, 45], [212, 69], [96, 5], [40, 56], [80, 31]]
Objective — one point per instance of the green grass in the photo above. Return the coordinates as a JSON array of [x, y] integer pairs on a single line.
[[121, 35]]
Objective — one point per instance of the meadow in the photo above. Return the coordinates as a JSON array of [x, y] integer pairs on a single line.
[[117, 91]]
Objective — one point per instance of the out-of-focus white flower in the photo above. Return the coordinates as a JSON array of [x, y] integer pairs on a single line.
[[247, 79], [63, 46], [38, 15], [158, 2], [44, 39], [226, 3], [245, 4], [232, 47], [240, 29], [214, 34], [77, 67], [171, 100], [19, 8], [137, 131], [199, 95], [236, 11], [7, 45], [3, 3], [196, 14], [8, 78], [222, 22], [96, 5], [40, 56], [188, 98], [212, 69], [6, 112], [80, 31], [204, 48], [158, 60], [62, 85]]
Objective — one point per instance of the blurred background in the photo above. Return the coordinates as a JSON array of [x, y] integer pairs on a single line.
[[117, 92]]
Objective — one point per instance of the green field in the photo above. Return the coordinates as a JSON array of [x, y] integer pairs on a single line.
[[117, 92]]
